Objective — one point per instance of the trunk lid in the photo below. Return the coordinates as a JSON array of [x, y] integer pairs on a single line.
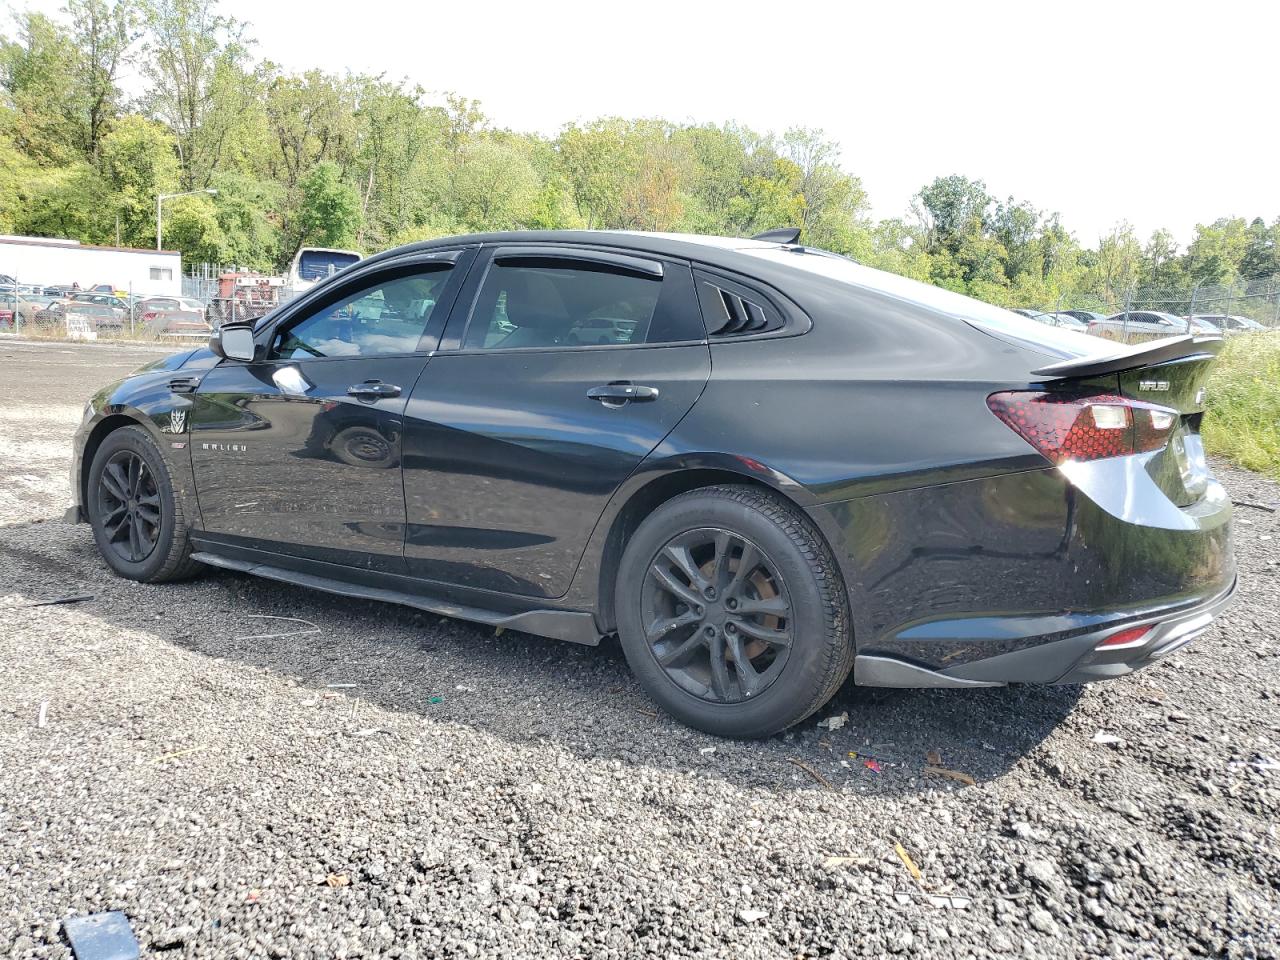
[[1168, 373]]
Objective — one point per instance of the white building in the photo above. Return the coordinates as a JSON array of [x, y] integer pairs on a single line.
[[49, 261]]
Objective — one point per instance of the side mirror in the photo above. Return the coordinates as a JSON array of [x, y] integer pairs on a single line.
[[234, 341]]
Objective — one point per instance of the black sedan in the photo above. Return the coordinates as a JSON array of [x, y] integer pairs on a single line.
[[775, 467]]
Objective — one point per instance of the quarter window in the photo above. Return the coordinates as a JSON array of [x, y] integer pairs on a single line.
[[388, 317], [567, 303]]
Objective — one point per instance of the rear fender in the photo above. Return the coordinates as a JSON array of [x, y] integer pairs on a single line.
[[658, 479]]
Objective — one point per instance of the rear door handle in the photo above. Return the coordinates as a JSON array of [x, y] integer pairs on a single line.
[[373, 389], [618, 393]]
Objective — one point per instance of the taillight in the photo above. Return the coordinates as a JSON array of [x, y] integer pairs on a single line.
[[1132, 637], [1066, 427]]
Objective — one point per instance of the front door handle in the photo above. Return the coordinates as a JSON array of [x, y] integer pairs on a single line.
[[373, 389], [619, 392]]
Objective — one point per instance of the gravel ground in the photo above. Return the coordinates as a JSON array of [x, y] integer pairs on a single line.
[[398, 784]]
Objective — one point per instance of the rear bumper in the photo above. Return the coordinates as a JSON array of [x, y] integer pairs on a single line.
[[1075, 659], [1168, 633]]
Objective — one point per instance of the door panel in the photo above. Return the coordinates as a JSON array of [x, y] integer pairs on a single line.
[[284, 456], [522, 427], [509, 464]]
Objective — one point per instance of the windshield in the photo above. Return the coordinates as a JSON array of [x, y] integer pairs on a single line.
[[1057, 341]]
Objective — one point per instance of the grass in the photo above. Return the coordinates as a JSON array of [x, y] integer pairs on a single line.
[[1242, 417]]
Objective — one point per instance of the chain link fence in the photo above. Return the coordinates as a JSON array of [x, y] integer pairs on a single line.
[[1127, 315]]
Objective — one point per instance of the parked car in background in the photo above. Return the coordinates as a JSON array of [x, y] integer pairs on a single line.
[[1088, 316], [1229, 323], [1137, 326], [29, 305], [1063, 320], [172, 317], [101, 317], [119, 304]]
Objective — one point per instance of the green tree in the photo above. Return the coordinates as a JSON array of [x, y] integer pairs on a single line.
[[138, 161], [104, 32], [330, 211]]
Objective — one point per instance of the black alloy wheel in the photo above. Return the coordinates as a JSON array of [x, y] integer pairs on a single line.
[[130, 506], [717, 615]]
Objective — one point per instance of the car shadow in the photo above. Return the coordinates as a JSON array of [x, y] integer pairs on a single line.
[[584, 700]]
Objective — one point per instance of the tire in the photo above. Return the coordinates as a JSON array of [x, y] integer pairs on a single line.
[[781, 625], [158, 549]]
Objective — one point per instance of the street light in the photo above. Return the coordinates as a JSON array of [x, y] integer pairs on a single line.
[[169, 196]]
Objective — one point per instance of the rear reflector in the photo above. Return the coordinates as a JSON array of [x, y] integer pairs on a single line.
[[1131, 637], [1065, 426]]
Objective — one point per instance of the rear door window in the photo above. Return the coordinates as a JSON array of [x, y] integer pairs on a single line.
[[552, 302]]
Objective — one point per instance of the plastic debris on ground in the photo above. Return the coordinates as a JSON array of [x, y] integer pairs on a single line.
[[101, 936], [872, 765], [836, 722], [1106, 739]]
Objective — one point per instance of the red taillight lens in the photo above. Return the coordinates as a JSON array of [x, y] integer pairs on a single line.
[[1067, 427], [1125, 638]]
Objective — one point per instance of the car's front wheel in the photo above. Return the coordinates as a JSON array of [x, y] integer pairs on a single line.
[[137, 520], [732, 612]]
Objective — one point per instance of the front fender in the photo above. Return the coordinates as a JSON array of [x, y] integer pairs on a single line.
[[146, 401]]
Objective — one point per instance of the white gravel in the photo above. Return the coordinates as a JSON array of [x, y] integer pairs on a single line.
[[397, 784]]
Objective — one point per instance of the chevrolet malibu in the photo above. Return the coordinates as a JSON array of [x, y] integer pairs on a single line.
[[762, 466]]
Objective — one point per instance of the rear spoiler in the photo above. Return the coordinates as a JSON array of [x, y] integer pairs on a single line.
[[1135, 356]]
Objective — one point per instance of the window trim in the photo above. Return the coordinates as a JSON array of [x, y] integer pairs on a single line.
[[455, 346], [360, 276]]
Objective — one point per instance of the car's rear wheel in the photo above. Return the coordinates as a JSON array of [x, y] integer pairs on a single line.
[[137, 521], [732, 613]]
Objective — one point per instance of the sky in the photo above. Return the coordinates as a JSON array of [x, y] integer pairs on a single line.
[[1162, 114]]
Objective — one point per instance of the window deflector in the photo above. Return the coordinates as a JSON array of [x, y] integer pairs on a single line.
[[618, 261]]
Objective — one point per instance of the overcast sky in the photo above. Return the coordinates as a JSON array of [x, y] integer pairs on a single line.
[[1160, 113]]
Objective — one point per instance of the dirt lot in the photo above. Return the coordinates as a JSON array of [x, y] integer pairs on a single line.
[[398, 784]]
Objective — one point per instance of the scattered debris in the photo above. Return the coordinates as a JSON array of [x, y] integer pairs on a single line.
[[279, 636], [435, 699], [958, 775], [337, 880], [752, 916], [464, 689], [174, 755], [43, 716], [812, 772], [836, 722], [950, 903], [101, 936], [1107, 739], [369, 732], [341, 686], [498, 631], [902, 898], [872, 765], [73, 598], [647, 713], [706, 751], [1256, 506], [910, 864], [934, 758]]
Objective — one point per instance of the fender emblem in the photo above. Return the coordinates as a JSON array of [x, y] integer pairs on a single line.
[[177, 421]]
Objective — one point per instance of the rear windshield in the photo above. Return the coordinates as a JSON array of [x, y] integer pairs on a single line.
[[1057, 341], [318, 264]]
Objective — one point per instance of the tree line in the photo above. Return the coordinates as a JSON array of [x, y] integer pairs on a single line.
[[317, 158]]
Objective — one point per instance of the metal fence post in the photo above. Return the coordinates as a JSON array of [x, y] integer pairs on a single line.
[[1124, 327], [17, 320], [133, 313], [1191, 308]]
